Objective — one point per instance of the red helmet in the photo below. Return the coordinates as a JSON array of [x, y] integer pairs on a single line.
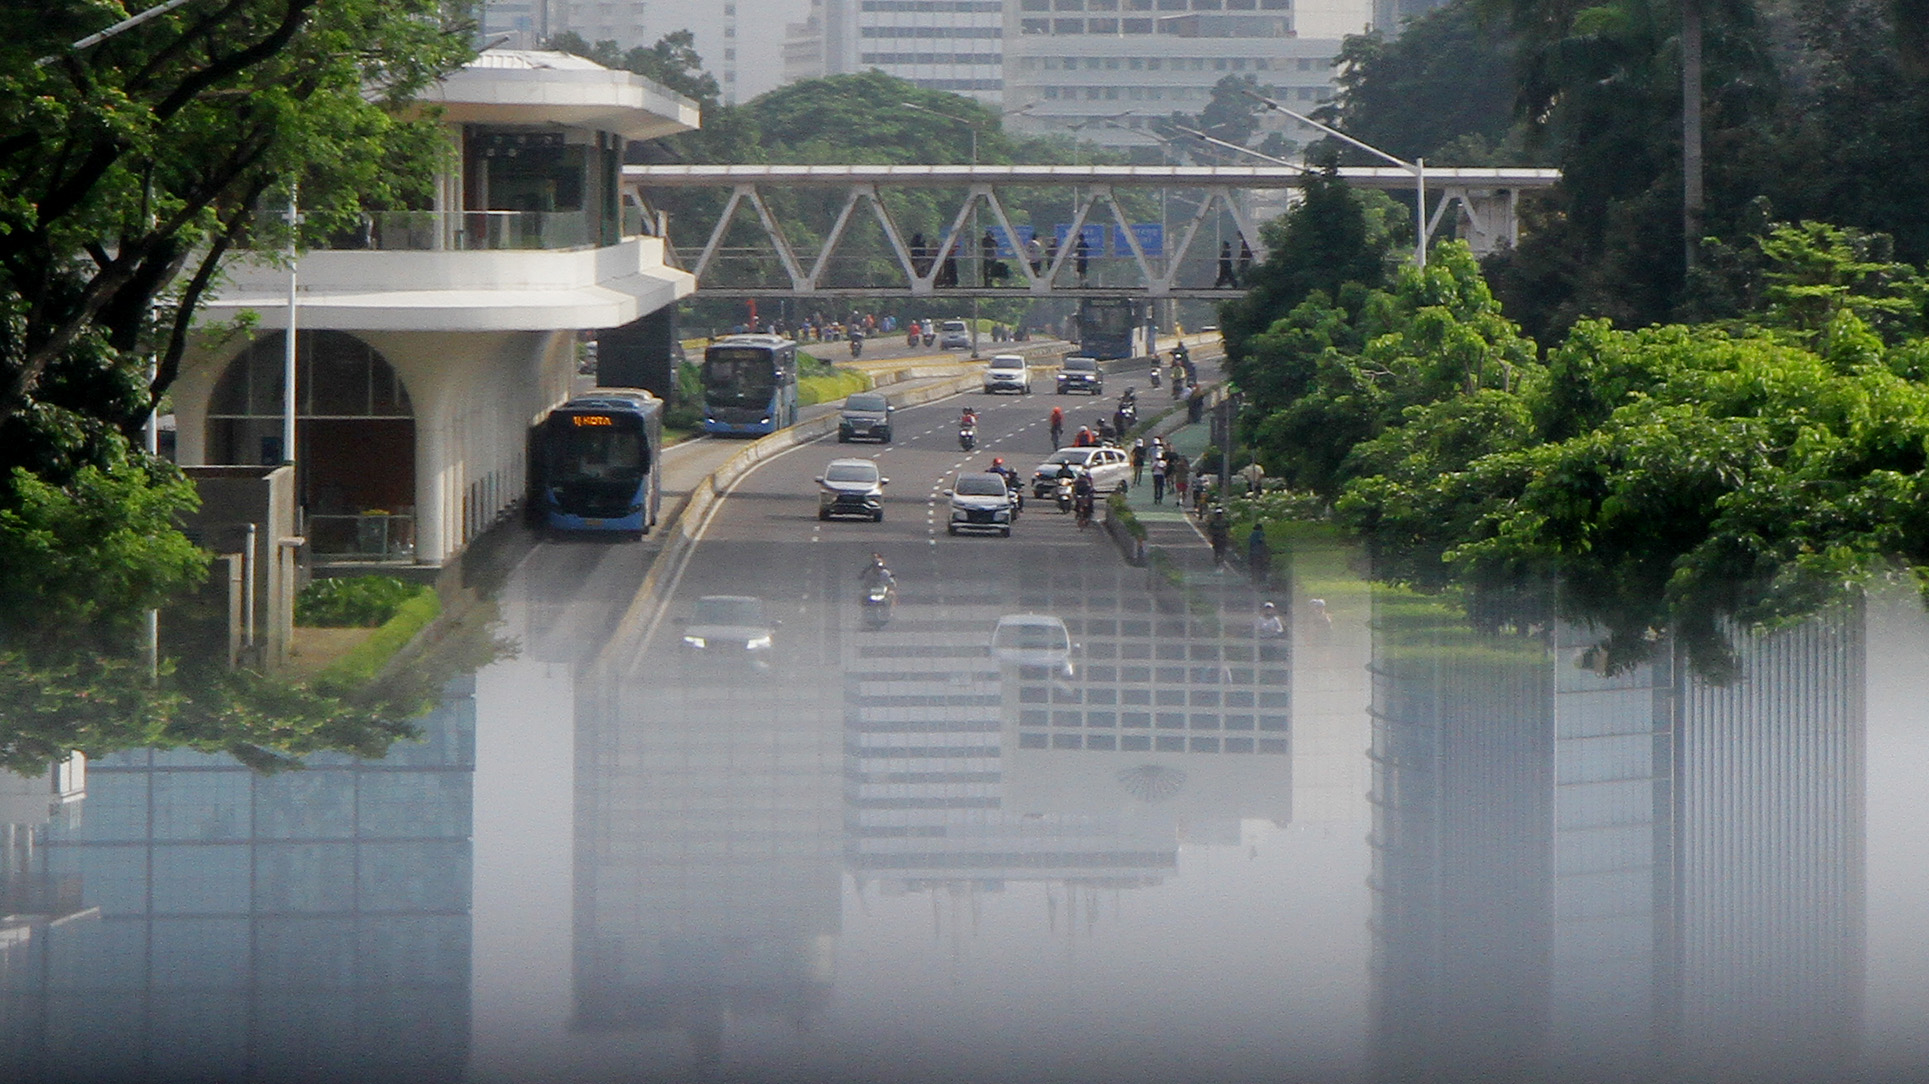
[[997, 461]]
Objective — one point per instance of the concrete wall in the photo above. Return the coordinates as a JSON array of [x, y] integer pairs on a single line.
[[232, 500]]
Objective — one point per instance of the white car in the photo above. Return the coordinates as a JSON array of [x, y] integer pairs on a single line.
[[954, 335], [1033, 640], [1008, 372], [1110, 468]]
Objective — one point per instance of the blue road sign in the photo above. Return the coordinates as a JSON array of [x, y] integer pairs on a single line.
[[1092, 233], [1151, 237]]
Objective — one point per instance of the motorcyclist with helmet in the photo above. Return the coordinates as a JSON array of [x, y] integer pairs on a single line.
[[1012, 482]]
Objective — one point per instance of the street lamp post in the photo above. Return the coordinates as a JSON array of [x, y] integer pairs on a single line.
[[1418, 167]]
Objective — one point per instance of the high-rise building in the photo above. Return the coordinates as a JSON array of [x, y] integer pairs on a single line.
[[1599, 875], [223, 924], [624, 22], [953, 45], [1390, 15], [1107, 70]]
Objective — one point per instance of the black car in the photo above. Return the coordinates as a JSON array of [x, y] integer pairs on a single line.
[[866, 416], [1080, 374]]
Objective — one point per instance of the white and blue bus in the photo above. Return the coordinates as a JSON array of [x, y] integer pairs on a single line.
[[595, 464], [749, 385]]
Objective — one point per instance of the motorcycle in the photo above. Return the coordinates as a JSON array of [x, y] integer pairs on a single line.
[[967, 437], [1085, 504], [857, 344], [930, 338], [1062, 494], [1017, 491], [880, 599], [1155, 374]]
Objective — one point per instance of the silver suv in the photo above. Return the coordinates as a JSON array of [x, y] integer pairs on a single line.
[[980, 502], [851, 487]]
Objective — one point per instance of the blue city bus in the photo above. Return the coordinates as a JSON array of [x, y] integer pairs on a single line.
[[749, 385], [594, 463], [1110, 328]]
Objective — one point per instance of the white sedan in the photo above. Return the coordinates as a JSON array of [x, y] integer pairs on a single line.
[[1109, 467]]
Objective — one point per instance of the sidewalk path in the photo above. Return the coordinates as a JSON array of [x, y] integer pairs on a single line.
[[1172, 531]]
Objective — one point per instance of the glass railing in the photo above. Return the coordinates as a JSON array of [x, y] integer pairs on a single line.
[[471, 231], [367, 536]]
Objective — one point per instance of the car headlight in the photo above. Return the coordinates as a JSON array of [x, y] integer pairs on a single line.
[[695, 641], [758, 643]]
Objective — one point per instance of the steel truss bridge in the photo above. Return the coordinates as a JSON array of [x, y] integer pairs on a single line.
[[1484, 201]]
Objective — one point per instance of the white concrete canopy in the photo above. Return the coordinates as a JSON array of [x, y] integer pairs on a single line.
[[516, 86], [461, 291]]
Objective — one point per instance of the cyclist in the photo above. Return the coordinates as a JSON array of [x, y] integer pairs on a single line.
[[1058, 426]]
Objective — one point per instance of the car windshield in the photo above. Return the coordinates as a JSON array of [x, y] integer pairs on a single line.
[[728, 610], [851, 472], [954, 325], [1080, 365], [1032, 636], [1008, 363], [864, 402], [979, 485], [1075, 456]]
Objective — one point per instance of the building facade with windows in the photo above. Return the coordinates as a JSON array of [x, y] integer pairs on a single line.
[[1107, 70], [954, 45]]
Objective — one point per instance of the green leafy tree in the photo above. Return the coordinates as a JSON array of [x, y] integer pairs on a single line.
[[129, 171], [131, 168], [1333, 236], [1444, 90]]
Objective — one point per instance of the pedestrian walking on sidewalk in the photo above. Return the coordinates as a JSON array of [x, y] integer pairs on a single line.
[[1138, 460], [1160, 462], [1177, 470], [1219, 533], [1259, 556]]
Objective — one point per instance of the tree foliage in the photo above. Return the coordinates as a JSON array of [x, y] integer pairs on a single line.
[[131, 168], [1813, 109], [1679, 479], [129, 171]]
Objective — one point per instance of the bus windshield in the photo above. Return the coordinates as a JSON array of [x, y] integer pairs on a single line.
[[597, 453], [1107, 320], [739, 376]]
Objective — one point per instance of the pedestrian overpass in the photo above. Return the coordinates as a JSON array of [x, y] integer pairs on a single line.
[[1010, 231]]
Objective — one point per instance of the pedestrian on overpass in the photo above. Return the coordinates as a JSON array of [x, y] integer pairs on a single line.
[[1138, 460], [1160, 463]]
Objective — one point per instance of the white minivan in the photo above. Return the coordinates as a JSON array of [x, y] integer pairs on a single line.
[[1008, 372]]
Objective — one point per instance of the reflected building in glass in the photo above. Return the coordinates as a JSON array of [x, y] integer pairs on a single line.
[[309, 924], [1616, 876], [942, 792], [709, 843]]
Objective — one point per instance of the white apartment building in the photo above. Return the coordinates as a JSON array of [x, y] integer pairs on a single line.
[[952, 45], [624, 22], [1105, 70]]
